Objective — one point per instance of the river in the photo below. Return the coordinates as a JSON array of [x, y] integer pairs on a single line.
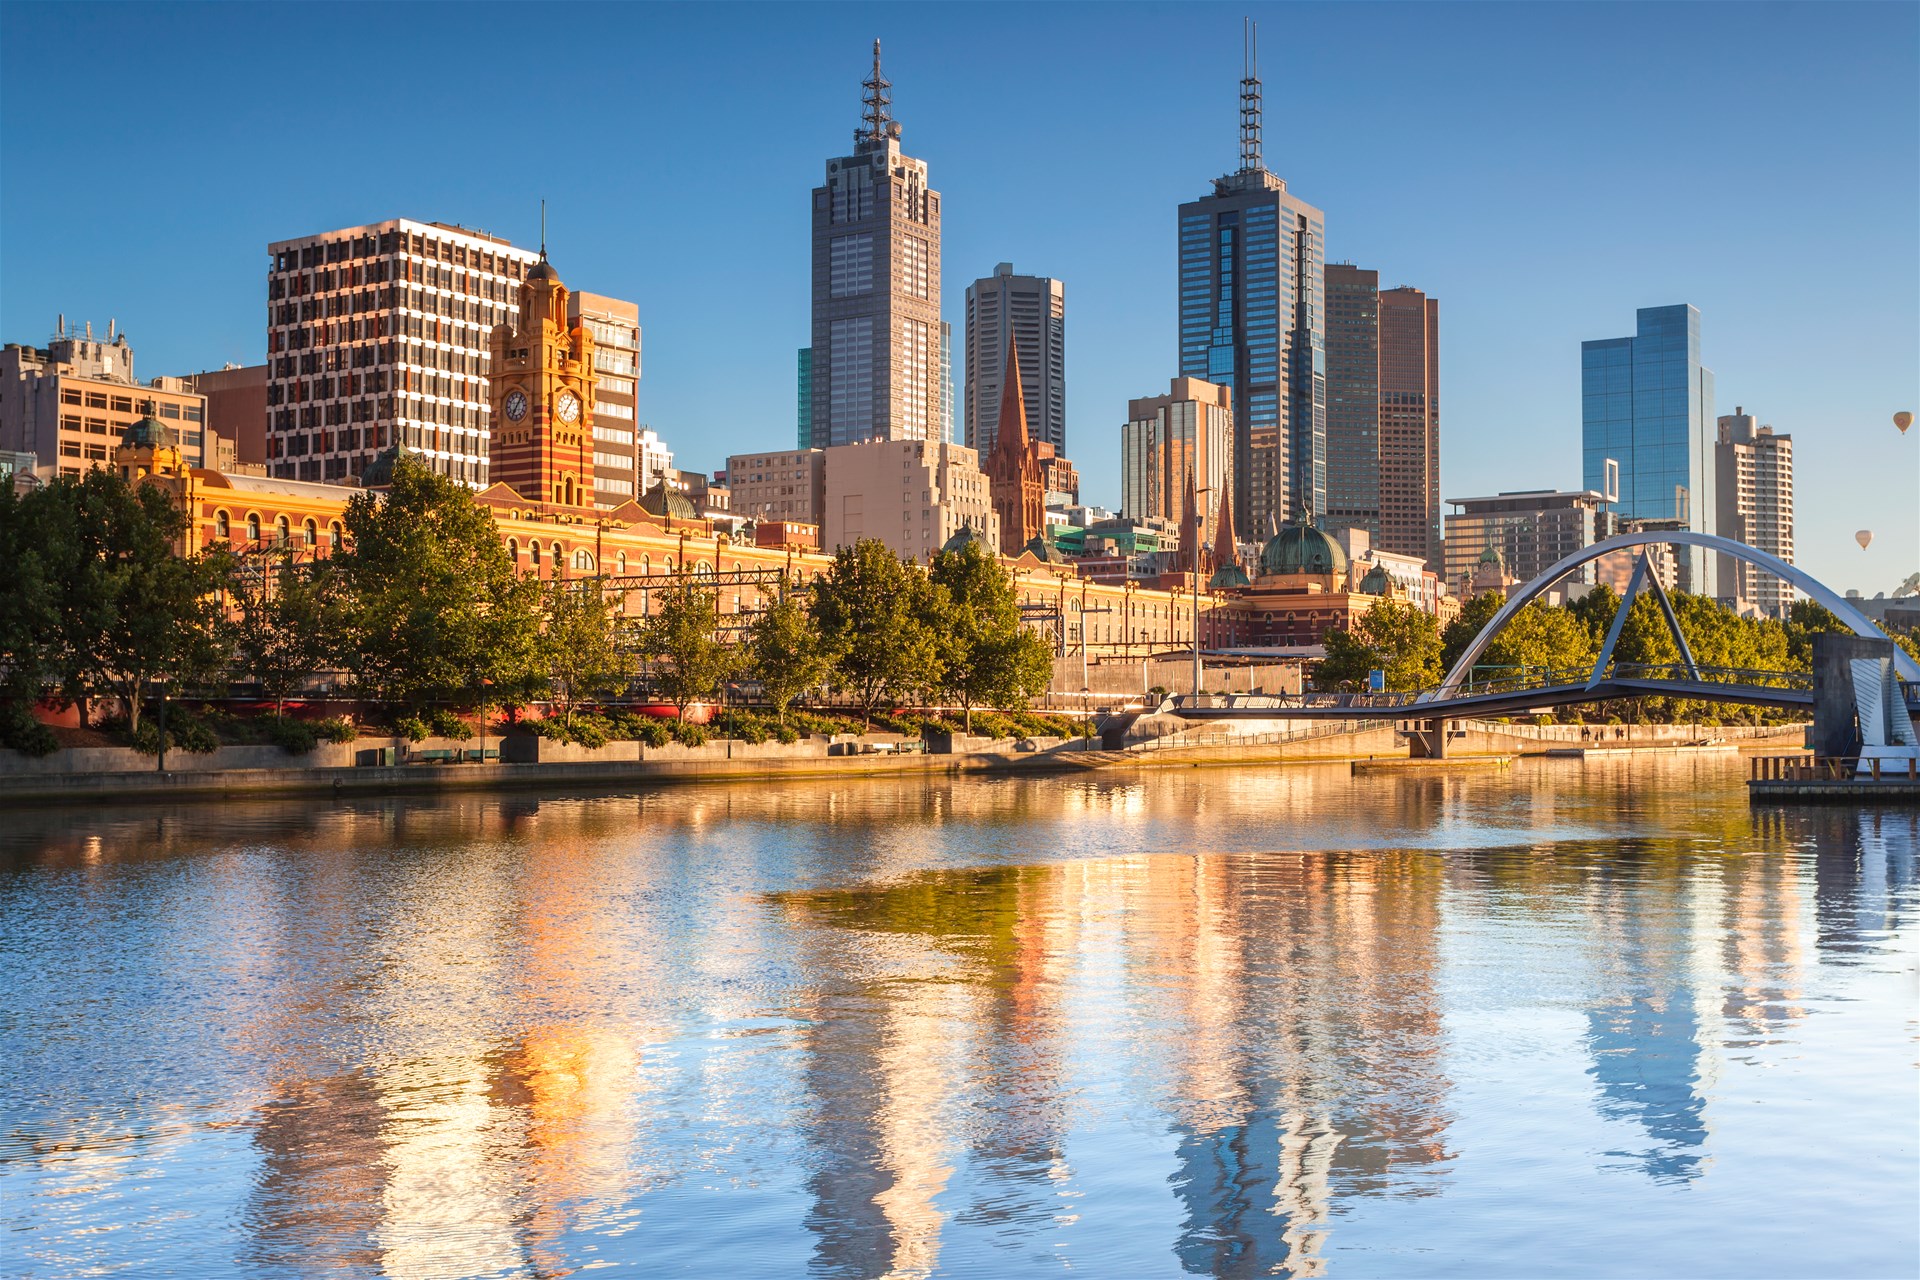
[[1585, 1019]]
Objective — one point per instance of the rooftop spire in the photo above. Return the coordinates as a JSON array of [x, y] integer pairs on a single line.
[[1250, 129], [1012, 424], [543, 230], [878, 113]]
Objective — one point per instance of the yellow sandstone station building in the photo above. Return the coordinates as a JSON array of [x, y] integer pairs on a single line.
[[541, 387]]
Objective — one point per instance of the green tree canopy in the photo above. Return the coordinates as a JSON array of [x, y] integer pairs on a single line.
[[434, 610], [288, 622], [872, 607], [1393, 636], [580, 647], [683, 639], [1474, 615], [987, 658], [787, 654]]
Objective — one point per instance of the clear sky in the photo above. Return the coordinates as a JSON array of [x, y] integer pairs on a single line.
[[1542, 169]]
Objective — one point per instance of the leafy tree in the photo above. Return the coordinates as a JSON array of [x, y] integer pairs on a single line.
[[683, 633], [1393, 636], [872, 608], [580, 645], [288, 623], [787, 654], [1806, 619], [987, 658], [432, 605], [132, 612], [1543, 636], [1473, 617]]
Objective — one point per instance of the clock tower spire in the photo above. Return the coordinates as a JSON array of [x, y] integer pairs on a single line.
[[540, 385]]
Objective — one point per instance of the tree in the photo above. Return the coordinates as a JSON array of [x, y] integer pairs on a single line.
[[132, 612], [1392, 636], [684, 634], [872, 608], [434, 610], [1473, 617], [786, 653], [580, 645], [1543, 638], [287, 625], [987, 658]]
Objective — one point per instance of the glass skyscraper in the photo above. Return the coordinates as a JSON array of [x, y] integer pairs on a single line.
[[1647, 402], [1252, 259]]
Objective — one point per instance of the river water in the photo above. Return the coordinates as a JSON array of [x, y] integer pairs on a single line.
[[1580, 1019]]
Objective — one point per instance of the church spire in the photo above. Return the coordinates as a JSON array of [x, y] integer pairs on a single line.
[[1224, 550], [1013, 404]]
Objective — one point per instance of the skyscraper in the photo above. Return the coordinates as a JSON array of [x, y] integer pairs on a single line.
[[805, 366], [1251, 265], [1754, 468], [377, 335], [615, 326], [876, 287], [1028, 314], [1174, 445], [1410, 424], [1353, 397], [1647, 402]]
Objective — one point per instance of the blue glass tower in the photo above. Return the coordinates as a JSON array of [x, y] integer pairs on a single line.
[[1252, 261], [1647, 402]]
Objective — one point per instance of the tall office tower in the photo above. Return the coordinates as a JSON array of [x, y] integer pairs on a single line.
[[378, 335], [876, 287], [1647, 402], [1029, 315], [1410, 424], [1251, 265], [1353, 397], [1169, 441], [615, 326], [804, 437], [1754, 470]]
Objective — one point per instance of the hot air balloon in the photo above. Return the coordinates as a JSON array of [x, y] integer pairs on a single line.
[[1863, 538], [1903, 420]]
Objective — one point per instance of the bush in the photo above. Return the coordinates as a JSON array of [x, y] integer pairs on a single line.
[[412, 728], [743, 725], [20, 731], [655, 733], [786, 733], [591, 731], [291, 736], [338, 729], [690, 735], [446, 723]]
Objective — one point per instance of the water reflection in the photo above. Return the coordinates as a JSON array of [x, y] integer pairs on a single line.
[[1278, 1022]]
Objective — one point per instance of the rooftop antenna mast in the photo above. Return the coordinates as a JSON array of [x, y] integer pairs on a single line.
[[543, 230], [1250, 140], [878, 113]]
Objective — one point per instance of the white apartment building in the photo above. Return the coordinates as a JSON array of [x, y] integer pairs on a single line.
[[378, 335], [615, 325], [1753, 471], [910, 494]]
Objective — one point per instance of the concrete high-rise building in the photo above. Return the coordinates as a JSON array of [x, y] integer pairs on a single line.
[[615, 326], [1252, 261], [378, 335], [236, 408], [1028, 314], [1409, 424], [787, 487], [1530, 529], [1175, 444], [876, 288], [1647, 403], [1353, 397], [946, 382], [652, 460], [1753, 468], [69, 403], [910, 494]]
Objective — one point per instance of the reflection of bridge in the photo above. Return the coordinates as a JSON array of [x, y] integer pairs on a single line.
[[1461, 696]]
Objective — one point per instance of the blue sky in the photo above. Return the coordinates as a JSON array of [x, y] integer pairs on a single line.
[[1542, 169]]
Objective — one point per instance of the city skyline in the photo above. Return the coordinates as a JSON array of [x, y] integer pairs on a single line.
[[180, 269]]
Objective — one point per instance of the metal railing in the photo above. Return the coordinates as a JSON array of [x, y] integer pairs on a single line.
[[1211, 736], [1806, 768]]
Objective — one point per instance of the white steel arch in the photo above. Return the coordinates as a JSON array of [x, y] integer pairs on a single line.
[[1857, 622]]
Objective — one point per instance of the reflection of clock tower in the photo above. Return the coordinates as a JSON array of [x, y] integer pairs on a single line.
[[541, 384]]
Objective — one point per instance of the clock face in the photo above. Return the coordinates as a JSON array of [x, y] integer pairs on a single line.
[[517, 405], [568, 407]]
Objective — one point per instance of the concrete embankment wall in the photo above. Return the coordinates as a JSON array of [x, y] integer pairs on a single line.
[[1486, 736]]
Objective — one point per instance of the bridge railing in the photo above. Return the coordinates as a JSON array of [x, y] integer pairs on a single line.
[[1212, 735], [1806, 768]]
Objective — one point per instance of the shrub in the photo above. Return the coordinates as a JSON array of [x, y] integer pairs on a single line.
[[291, 736], [591, 731], [743, 725], [20, 731], [412, 728], [690, 735], [446, 723], [337, 729], [655, 733], [786, 733]]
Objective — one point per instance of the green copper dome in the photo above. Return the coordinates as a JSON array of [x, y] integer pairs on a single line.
[[1302, 548], [149, 433], [1378, 581], [1043, 550], [668, 503], [1228, 577], [961, 537]]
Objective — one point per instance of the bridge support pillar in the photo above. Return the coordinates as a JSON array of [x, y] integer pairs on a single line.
[[1427, 740]]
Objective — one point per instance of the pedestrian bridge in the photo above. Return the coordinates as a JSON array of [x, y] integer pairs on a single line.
[[1461, 695]]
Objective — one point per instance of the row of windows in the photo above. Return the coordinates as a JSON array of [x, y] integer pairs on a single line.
[[284, 535]]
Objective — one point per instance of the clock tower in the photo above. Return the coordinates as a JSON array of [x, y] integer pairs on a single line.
[[540, 384]]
